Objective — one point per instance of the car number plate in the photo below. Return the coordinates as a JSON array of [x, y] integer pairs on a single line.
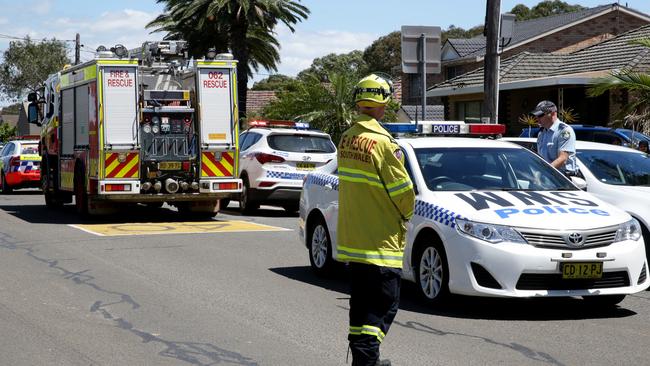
[[306, 166], [582, 270], [169, 165]]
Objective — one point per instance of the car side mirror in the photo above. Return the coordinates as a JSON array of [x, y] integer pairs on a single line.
[[32, 114], [579, 182]]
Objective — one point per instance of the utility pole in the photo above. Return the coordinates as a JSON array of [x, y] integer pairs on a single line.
[[491, 61], [77, 49]]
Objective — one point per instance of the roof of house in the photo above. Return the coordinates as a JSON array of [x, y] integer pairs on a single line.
[[579, 67], [528, 30], [433, 112]]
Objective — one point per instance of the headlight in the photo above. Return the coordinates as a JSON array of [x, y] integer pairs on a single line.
[[630, 230], [488, 232], [155, 128], [146, 128]]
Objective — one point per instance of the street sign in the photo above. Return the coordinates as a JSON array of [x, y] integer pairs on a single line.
[[412, 37]]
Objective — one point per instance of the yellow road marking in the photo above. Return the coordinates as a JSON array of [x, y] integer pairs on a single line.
[[160, 228]]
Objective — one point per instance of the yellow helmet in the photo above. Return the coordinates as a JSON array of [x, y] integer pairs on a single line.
[[373, 91]]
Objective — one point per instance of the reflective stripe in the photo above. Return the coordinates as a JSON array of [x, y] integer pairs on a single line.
[[369, 330], [382, 258], [360, 176], [399, 187]]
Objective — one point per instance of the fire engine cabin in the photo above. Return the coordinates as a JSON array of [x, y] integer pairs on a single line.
[[159, 129]]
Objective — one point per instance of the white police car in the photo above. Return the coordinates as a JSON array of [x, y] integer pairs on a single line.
[[616, 174], [493, 219], [274, 158]]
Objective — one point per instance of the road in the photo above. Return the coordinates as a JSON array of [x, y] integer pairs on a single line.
[[241, 297]]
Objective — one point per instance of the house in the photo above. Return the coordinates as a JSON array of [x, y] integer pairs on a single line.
[[527, 78], [557, 34]]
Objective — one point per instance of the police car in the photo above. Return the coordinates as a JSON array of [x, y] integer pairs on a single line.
[[20, 164], [616, 174], [275, 157], [493, 219]]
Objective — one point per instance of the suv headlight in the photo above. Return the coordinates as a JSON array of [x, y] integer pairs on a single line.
[[489, 232], [630, 230]]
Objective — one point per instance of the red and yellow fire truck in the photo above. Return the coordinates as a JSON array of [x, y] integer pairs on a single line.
[[147, 126]]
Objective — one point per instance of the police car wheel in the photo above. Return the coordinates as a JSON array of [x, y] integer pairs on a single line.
[[246, 205], [603, 300], [6, 188], [320, 248], [432, 273]]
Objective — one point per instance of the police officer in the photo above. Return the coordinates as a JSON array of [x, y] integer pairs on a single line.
[[556, 141], [376, 198]]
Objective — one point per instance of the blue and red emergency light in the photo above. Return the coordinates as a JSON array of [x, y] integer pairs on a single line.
[[279, 123], [442, 128]]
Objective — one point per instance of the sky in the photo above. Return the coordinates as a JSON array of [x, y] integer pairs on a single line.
[[334, 26]]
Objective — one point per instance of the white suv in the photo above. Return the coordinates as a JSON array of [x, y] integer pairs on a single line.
[[275, 157]]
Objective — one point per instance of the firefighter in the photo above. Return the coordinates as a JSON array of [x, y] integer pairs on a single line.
[[376, 198]]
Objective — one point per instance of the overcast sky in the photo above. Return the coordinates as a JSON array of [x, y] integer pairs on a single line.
[[334, 26]]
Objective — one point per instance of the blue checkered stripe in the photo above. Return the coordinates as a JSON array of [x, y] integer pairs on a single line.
[[323, 179], [436, 213], [284, 175], [26, 166]]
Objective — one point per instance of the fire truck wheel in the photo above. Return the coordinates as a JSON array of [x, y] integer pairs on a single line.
[[6, 188], [224, 203], [80, 195], [246, 205], [52, 200]]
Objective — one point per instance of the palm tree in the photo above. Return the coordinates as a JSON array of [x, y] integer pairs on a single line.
[[246, 27], [637, 111]]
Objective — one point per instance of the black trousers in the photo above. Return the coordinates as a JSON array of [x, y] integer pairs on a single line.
[[374, 299]]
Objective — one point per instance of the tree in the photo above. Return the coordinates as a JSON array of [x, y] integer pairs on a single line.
[[27, 64], [351, 64], [637, 84], [544, 9], [247, 27], [274, 82], [458, 32], [384, 54], [326, 106], [6, 132]]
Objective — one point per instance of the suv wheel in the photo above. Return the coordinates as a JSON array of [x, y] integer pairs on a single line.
[[6, 188], [246, 204]]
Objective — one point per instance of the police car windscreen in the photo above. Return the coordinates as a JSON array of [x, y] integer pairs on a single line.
[[467, 169], [28, 149], [301, 143], [617, 167]]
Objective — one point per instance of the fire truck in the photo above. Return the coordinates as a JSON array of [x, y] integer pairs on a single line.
[[146, 126]]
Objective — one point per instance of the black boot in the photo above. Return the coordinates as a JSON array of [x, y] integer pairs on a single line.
[[383, 363]]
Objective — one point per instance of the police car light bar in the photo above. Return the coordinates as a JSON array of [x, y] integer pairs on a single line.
[[278, 123], [445, 128]]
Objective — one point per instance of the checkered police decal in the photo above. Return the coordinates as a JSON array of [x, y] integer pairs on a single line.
[[284, 175], [322, 180], [26, 166], [436, 213]]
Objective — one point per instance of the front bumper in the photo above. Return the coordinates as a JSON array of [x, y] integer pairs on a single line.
[[522, 270], [24, 179]]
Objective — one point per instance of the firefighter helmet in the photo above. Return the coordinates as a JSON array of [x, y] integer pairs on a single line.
[[373, 91]]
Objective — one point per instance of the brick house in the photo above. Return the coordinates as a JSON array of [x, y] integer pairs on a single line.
[[558, 34], [527, 78]]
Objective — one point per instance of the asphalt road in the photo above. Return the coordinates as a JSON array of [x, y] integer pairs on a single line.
[[68, 297]]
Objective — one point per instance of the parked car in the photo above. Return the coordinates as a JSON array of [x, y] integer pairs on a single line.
[[494, 219], [607, 135], [20, 164], [274, 159], [616, 174]]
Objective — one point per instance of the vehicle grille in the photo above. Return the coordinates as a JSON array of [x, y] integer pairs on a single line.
[[592, 239], [554, 281], [642, 276]]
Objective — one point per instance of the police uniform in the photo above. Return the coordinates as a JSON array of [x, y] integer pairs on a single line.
[[559, 137], [376, 198]]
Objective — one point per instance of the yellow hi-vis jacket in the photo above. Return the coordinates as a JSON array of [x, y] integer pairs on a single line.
[[376, 196]]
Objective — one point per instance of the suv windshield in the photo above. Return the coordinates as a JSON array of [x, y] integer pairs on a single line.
[[466, 169], [301, 143], [617, 167]]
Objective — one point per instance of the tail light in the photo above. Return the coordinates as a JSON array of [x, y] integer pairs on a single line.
[[14, 161], [268, 158]]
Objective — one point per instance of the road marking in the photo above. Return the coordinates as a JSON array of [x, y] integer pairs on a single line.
[[160, 228]]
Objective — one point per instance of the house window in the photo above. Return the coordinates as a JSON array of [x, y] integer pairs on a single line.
[[469, 111], [452, 72]]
